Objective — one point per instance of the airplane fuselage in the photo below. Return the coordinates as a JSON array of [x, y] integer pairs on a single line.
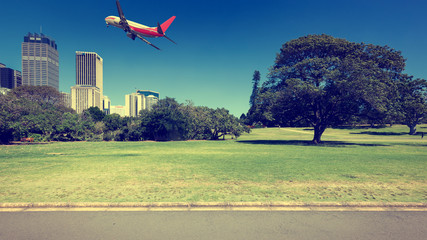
[[136, 27]]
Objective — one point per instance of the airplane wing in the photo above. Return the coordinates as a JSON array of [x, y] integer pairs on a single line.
[[145, 40], [131, 33], [123, 20]]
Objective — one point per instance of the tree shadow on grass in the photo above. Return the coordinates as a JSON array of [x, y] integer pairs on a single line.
[[382, 133], [308, 143]]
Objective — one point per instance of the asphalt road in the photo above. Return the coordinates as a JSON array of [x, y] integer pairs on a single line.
[[213, 225]]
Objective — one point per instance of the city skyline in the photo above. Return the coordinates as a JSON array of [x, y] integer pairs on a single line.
[[220, 44]]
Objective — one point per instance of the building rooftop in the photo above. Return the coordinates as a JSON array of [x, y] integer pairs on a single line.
[[40, 38], [148, 93]]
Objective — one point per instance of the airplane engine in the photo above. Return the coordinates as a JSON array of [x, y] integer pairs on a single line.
[[131, 35]]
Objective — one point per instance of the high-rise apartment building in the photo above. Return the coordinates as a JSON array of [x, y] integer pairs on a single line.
[[9, 78], [40, 61], [141, 100], [88, 91]]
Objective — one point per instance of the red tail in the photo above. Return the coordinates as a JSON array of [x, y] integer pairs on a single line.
[[166, 24]]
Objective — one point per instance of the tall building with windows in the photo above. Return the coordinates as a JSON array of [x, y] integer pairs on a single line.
[[151, 98], [89, 69], [106, 102], [134, 103], [40, 61], [84, 97], [66, 98], [9, 78], [141, 100], [88, 91]]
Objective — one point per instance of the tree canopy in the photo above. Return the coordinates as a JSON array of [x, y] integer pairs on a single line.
[[325, 81], [39, 112], [412, 101]]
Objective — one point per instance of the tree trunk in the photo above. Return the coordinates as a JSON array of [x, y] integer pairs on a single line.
[[412, 129], [318, 131]]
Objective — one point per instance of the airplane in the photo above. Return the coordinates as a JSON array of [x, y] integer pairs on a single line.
[[140, 31]]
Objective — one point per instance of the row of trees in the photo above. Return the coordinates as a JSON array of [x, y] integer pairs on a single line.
[[38, 112], [322, 81]]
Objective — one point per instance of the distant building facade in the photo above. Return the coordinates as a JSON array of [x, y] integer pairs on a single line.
[[88, 91], [141, 100], [134, 103], [118, 110], [84, 97], [66, 99], [40, 61], [106, 104], [9, 78]]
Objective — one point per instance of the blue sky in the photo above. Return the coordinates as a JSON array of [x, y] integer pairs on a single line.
[[220, 43]]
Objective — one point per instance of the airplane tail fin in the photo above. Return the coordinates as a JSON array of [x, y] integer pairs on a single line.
[[164, 26]]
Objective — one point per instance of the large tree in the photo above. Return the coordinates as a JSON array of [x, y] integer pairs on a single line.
[[39, 112], [165, 121], [412, 101], [255, 85], [324, 81], [252, 114], [222, 123]]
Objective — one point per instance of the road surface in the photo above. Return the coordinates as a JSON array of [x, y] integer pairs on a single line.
[[213, 225]]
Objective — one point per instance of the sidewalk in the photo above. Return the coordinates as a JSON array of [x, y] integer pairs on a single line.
[[213, 206]]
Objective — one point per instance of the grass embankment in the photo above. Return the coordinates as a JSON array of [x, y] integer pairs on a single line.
[[357, 165]]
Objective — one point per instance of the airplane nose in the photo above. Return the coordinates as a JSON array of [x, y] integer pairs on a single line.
[[109, 19]]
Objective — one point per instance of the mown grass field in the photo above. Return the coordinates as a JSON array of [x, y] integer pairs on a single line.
[[353, 165]]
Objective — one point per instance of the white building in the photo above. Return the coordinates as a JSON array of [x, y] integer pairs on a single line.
[[106, 104], [66, 98], [134, 103], [88, 91], [141, 100], [118, 110], [84, 97]]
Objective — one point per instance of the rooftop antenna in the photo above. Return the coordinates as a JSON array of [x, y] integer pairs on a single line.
[[41, 28]]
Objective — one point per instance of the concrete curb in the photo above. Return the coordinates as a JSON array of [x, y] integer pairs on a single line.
[[229, 205]]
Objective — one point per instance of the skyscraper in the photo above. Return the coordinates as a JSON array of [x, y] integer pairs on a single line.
[[89, 69], [40, 61], [88, 91], [9, 78]]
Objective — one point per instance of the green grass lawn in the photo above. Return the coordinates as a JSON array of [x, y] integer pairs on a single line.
[[353, 165]]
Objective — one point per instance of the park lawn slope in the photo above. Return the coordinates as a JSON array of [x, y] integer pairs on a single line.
[[352, 165]]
